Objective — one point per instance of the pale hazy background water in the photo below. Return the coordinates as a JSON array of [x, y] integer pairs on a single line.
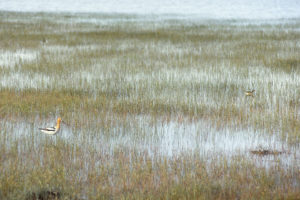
[[220, 9]]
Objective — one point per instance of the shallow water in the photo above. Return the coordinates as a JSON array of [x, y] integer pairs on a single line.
[[161, 139], [255, 9], [8, 59]]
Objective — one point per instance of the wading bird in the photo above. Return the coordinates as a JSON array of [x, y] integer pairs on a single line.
[[44, 41], [250, 93], [52, 130]]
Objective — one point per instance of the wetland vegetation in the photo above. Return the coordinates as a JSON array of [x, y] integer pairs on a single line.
[[154, 107]]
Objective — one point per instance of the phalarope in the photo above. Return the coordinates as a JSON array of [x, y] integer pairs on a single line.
[[44, 41], [250, 93], [52, 130]]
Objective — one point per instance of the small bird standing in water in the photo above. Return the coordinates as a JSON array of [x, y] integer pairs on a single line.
[[52, 130], [44, 41], [250, 93]]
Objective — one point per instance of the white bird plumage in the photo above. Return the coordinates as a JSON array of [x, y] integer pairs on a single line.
[[52, 130]]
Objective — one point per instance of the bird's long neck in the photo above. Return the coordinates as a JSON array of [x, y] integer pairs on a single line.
[[58, 124]]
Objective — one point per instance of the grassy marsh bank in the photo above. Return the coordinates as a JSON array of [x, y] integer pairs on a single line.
[[148, 102]]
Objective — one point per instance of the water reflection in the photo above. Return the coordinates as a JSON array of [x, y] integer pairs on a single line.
[[167, 139]]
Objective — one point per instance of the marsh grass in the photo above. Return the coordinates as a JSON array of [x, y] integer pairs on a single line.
[[141, 97]]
